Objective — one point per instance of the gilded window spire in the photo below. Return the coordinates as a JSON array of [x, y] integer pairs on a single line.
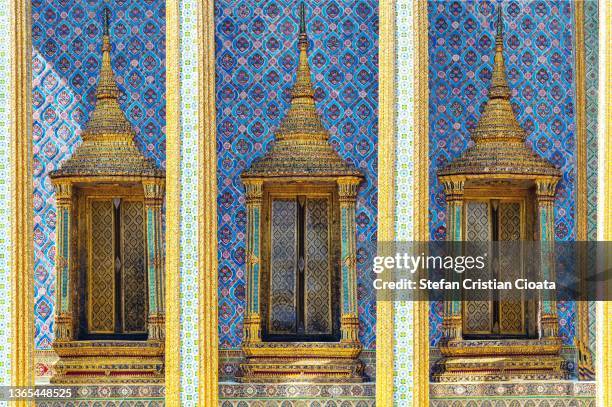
[[108, 146], [498, 121], [107, 88], [498, 137], [301, 142], [302, 120], [499, 84]]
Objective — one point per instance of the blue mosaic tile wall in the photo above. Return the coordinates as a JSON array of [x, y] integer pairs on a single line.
[[67, 38], [256, 63], [591, 45], [539, 62]]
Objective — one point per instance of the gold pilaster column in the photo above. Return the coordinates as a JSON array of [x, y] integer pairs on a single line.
[[173, 205], [154, 196], [349, 322], [420, 393], [252, 320], [386, 193], [454, 190], [22, 241], [604, 226], [585, 361], [545, 194], [64, 321]]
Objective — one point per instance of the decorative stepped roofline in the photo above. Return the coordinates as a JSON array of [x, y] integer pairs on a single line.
[[301, 146], [108, 147], [499, 141]]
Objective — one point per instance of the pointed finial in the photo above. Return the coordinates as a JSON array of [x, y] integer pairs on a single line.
[[303, 37], [302, 18], [499, 85], [106, 21], [498, 121], [500, 22], [107, 87]]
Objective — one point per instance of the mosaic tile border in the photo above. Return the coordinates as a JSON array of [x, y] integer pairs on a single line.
[[255, 391], [530, 402], [403, 318], [298, 403], [104, 403], [5, 196], [505, 389], [591, 45], [112, 395], [189, 298]]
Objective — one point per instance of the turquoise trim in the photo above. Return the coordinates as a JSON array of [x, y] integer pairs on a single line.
[[151, 257], [543, 225], [457, 224], [256, 227], [345, 270], [66, 255]]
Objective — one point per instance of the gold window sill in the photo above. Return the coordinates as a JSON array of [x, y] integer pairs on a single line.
[[335, 350], [108, 348], [501, 347]]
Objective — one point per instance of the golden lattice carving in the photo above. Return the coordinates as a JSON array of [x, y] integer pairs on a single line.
[[511, 311], [101, 272], [134, 277], [317, 277], [477, 315], [283, 284]]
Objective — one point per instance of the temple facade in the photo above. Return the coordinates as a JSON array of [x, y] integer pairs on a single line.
[[210, 180]]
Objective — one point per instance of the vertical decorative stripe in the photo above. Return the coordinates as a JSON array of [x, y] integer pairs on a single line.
[[404, 135], [421, 208], [189, 192], [420, 205], [403, 311], [591, 45], [604, 349], [581, 135], [386, 197], [177, 349], [22, 240], [584, 198], [404, 121], [207, 208], [5, 200]]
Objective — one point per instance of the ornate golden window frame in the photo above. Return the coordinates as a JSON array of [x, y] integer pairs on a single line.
[[326, 191], [85, 198]]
